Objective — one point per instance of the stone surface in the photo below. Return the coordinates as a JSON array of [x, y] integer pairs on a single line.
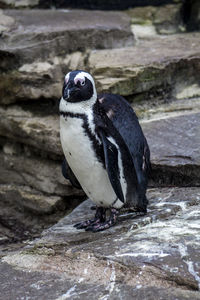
[[165, 19], [34, 47], [27, 127], [139, 72], [158, 64], [42, 174], [174, 144], [155, 254], [64, 31], [30, 199]]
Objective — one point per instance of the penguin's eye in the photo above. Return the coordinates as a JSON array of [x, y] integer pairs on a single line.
[[79, 81]]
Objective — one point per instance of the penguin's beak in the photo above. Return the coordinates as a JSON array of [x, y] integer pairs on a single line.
[[69, 91]]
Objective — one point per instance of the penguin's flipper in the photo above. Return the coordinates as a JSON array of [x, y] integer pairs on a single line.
[[68, 174], [111, 162]]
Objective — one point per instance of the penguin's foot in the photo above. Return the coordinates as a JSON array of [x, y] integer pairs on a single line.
[[95, 227], [99, 218]]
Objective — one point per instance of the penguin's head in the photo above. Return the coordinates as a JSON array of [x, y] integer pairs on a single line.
[[78, 86]]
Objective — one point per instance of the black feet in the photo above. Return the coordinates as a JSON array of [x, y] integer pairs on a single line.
[[100, 217], [99, 223]]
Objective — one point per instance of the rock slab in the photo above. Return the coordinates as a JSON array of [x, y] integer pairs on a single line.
[[157, 253]]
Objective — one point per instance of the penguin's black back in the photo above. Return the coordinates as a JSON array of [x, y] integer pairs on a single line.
[[124, 119]]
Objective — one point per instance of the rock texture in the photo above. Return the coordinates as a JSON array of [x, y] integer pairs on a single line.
[[35, 46], [155, 254], [166, 19]]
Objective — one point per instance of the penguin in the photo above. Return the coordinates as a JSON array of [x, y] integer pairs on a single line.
[[106, 152]]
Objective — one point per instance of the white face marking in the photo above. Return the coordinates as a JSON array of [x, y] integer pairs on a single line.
[[67, 77], [81, 77]]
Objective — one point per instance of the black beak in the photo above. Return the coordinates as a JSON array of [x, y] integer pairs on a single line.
[[69, 91]]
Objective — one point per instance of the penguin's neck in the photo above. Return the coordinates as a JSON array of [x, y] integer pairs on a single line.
[[78, 108]]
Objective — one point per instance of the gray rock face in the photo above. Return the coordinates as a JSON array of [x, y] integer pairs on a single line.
[[61, 32], [34, 47], [157, 253], [174, 145], [166, 19], [159, 64]]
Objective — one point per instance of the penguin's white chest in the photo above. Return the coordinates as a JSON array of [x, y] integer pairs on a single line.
[[81, 157]]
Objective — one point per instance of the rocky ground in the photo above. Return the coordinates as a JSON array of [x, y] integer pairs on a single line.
[[147, 56]]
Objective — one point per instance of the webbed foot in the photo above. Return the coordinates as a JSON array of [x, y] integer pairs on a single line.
[[106, 224], [99, 218]]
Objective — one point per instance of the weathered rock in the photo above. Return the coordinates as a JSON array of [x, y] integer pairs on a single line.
[[34, 47], [27, 198], [174, 144], [128, 71], [155, 254], [156, 67], [24, 213], [168, 19], [165, 19], [31, 129], [60, 32], [42, 174]]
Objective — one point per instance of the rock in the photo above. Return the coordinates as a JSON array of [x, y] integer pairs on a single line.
[[155, 111], [19, 3], [166, 19], [148, 69], [64, 31], [174, 145], [42, 174], [27, 198], [35, 47], [24, 213], [154, 254], [5, 22], [31, 129], [128, 71]]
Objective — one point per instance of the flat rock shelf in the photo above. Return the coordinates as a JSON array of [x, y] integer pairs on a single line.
[[157, 254]]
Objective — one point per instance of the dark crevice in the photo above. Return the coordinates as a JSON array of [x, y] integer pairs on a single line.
[[101, 4], [40, 108], [189, 12]]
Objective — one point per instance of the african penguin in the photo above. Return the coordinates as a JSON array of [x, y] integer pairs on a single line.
[[105, 150]]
